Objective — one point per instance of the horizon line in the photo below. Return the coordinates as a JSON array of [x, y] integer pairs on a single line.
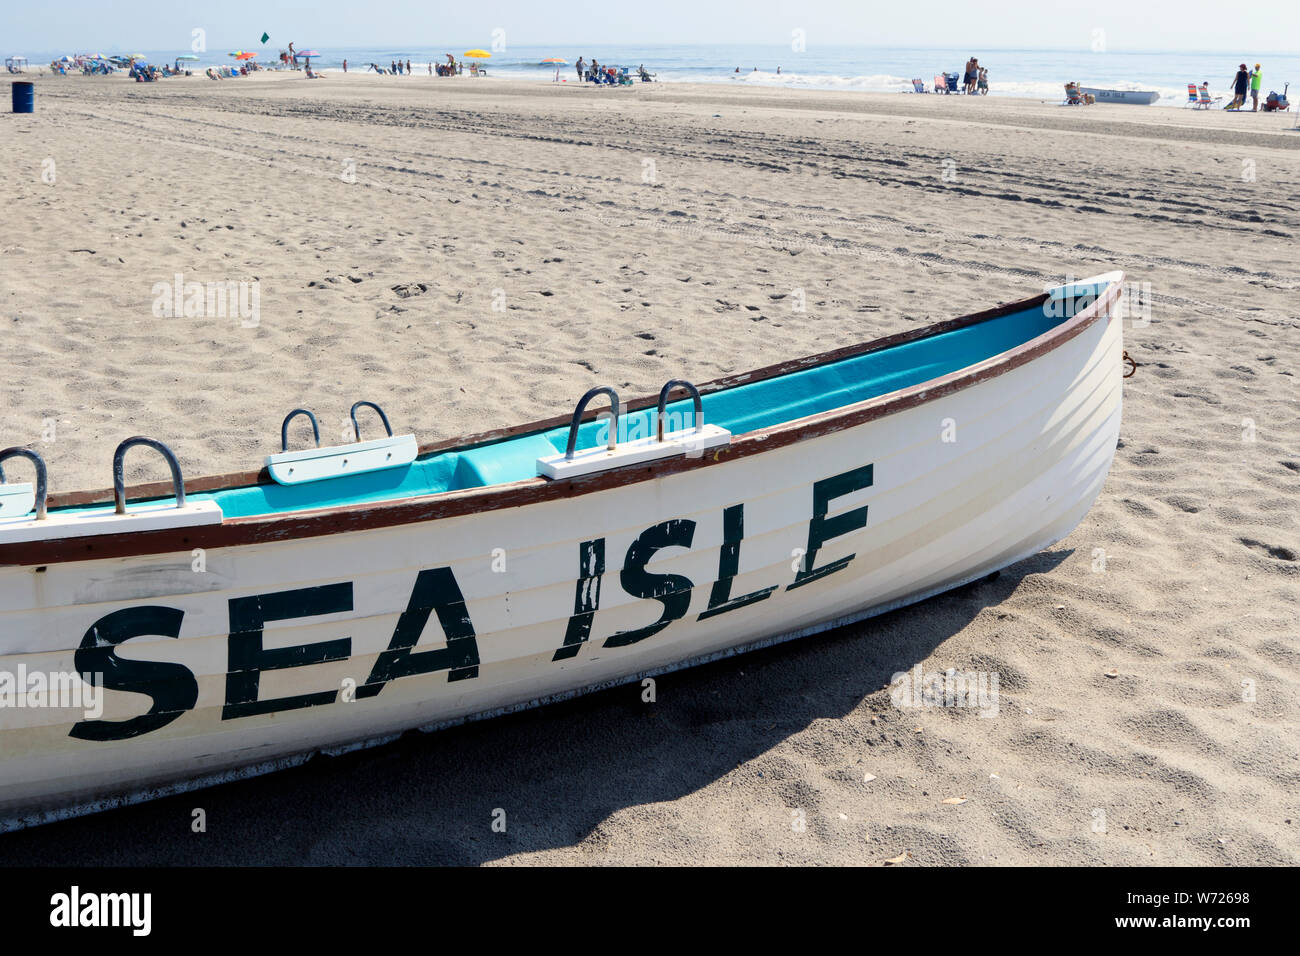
[[376, 45]]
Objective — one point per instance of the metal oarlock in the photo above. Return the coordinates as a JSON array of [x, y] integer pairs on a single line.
[[663, 404], [284, 427], [356, 429], [119, 483], [39, 464], [582, 407]]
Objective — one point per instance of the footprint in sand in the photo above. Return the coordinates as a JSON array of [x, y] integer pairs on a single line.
[[1282, 554]]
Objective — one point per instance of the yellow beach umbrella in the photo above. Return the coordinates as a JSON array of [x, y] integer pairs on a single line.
[[478, 54]]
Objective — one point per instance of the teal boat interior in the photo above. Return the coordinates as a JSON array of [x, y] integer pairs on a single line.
[[742, 408]]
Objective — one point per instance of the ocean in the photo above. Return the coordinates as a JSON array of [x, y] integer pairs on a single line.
[[1038, 74]]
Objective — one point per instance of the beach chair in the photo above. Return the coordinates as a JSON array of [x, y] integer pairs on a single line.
[[918, 86], [1072, 95], [1204, 100], [1193, 100], [950, 82], [940, 84]]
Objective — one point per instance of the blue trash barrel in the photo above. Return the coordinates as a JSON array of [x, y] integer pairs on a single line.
[[24, 96]]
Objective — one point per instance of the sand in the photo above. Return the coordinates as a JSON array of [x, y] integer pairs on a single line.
[[476, 253]]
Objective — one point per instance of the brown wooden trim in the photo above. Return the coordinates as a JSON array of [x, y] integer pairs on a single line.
[[160, 489], [346, 518]]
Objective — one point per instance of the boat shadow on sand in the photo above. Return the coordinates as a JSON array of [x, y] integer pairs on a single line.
[[558, 772]]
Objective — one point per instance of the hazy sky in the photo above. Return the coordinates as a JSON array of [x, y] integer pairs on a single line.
[[1184, 25]]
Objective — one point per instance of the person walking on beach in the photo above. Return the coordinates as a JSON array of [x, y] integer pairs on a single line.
[[578, 66], [1256, 78], [408, 67], [345, 66]]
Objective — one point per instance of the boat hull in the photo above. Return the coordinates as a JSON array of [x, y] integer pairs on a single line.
[[224, 662], [1130, 97]]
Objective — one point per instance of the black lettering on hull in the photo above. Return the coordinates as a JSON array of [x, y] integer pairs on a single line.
[[435, 590], [822, 529], [172, 687], [673, 591], [720, 599], [248, 658], [586, 598]]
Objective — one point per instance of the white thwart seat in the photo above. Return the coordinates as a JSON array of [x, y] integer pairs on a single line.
[[24, 516], [335, 461], [155, 516], [690, 442], [17, 500]]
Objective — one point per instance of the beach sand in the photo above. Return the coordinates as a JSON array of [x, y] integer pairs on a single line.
[[477, 253]]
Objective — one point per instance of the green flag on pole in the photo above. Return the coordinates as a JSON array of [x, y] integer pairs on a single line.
[[265, 37]]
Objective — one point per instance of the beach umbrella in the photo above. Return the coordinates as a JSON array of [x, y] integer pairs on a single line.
[[478, 54], [136, 56], [306, 54], [242, 56], [555, 59]]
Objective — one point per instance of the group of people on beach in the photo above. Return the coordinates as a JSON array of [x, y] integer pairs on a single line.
[[610, 75], [395, 67], [400, 68], [975, 78], [1243, 83]]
